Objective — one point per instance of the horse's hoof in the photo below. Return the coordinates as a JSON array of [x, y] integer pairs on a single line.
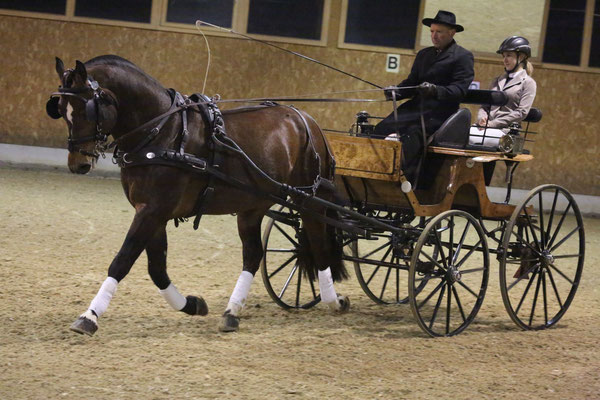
[[344, 304], [85, 325], [341, 305], [195, 306], [229, 322]]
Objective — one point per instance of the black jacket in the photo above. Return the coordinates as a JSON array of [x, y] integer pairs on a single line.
[[451, 71]]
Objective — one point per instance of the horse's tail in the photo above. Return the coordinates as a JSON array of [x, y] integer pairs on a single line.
[[329, 252]]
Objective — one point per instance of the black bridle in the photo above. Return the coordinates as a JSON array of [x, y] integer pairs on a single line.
[[100, 137]]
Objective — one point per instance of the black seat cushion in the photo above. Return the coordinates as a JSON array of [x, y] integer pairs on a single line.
[[534, 115], [454, 132]]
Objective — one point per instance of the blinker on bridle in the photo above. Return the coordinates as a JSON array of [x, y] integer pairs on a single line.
[[92, 114]]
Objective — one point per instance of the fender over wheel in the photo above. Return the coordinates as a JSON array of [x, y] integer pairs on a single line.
[[542, 257], [453, 257]]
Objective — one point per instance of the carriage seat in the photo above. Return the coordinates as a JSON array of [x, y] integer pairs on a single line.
[[454, 132], [534, 115]]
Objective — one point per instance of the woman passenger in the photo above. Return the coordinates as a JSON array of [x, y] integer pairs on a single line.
[[517, 83]]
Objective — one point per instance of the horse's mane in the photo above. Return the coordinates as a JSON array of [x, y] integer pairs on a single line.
[[117, 61]]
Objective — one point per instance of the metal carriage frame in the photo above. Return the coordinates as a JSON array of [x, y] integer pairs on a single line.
[[428, 246]]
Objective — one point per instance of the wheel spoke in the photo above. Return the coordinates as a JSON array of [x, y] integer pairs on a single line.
[[552, 214], [561, 274], [559, 225], [451, 248], [530, 224], [468, 254], [284, 233], [373, 274], [448, 307], [467, 288], [557, 245], [427, 278], [526, 242], [545, 297], [460, 242], [523, 275], [541, 207], [522, 260], [554, 287], [439, 244], [567, 256], [377, 249], [437, 306], [287, 282], [526, 291], [470, 271], [387, 275], [440, 266], [298, 290], [397, 284], [430, 295], [289, 260], [462, 313], [537, 291]]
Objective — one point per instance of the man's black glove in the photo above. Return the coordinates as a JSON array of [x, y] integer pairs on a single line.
[[427, 90], [387, 91]]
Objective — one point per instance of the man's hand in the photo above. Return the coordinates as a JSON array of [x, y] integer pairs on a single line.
[[427, 90], [387, 91]]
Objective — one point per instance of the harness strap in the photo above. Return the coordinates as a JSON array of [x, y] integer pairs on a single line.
[[215, 120]]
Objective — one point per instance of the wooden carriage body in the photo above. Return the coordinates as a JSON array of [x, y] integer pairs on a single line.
[[369, 173]]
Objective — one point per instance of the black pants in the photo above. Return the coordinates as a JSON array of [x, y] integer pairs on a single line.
[[408, 125]]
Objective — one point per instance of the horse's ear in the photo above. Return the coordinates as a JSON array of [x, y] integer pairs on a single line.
[[80, 72], [60, 68]]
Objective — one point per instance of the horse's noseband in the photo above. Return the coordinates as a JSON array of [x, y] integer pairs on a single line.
[[93, 113]]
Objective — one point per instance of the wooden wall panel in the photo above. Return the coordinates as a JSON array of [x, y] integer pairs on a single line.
[[565, 151]]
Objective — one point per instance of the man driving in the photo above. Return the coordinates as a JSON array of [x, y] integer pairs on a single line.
[[442, 74]]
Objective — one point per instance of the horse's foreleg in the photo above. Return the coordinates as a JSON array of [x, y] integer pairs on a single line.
[[144, 225], [157, 268], [322, 246], [249, 231]]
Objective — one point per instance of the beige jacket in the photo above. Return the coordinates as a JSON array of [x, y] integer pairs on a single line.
[[521, 89]]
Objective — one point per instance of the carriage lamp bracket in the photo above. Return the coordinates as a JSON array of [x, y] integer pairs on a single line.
[[511, 166], [362, 127]]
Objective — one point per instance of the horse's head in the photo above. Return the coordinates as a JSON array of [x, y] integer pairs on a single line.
[[89, 110]]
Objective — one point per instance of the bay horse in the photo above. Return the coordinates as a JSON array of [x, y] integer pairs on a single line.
[[162, 139]]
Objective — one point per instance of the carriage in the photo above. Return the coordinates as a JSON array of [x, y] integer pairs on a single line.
[[425, 245], [430, 245]]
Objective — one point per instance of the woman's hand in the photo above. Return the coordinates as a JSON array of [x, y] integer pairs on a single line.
[[481, 123]]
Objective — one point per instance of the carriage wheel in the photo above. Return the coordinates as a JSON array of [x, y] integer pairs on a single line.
[[542, 258], [383, 270], [452, 255], [279, 267]]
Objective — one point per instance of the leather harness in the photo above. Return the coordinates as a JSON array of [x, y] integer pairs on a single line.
[[218, 142]]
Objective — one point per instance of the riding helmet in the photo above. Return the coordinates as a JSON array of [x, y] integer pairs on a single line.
[[517, 44]]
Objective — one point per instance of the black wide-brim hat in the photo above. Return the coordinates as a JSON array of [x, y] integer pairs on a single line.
[[446, 18]]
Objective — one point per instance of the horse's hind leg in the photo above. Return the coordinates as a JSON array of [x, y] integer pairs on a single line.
[[157, 268], [249, 231], [326, 256]]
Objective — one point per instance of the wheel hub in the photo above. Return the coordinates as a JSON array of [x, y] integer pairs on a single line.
[[546, 258], [453, 275]]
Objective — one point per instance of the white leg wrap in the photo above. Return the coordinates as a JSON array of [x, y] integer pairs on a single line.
[[173, 297], [328, 294], [240, 293], [105, 294]]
